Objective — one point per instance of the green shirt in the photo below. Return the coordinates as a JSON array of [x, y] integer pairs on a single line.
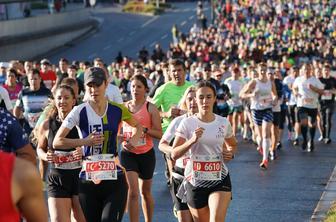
[[167, 96]]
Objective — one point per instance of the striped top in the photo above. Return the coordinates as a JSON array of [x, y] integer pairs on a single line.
[[87, 120]]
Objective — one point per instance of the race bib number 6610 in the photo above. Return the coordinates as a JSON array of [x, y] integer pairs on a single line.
[[207, 167]]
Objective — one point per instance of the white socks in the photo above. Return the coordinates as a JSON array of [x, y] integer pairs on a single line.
[[266, 143]]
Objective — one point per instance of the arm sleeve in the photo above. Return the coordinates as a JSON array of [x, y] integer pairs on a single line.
[[157, 99], [182, 130], [5, 96], [72, 118], [228, 131], [170, 131], [126, 114]]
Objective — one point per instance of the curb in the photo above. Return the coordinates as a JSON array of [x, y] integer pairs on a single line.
[[326, 200]]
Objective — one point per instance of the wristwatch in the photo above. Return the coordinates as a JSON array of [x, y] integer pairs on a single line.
[[145, 130]]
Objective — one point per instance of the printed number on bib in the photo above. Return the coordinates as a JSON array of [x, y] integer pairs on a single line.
[[327, 95], [100, 167], [67, 161], [206, 167]]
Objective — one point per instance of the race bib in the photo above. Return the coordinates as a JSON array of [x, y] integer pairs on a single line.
[[100, 167], [67, 160], [265, 100], [141, 141], [307, 101], [207, 167], [327, 95]]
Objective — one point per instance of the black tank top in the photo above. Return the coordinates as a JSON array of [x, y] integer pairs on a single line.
[[54, 125]]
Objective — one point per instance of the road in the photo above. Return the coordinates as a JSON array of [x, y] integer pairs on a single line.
[[128, 33], [288, 191]]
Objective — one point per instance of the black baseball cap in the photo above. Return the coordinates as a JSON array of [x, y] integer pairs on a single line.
[[94, 75]]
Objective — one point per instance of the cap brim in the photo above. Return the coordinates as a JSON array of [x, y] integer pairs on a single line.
[[97, 82]]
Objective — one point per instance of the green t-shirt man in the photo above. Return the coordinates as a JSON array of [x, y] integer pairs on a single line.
[[168, 95]]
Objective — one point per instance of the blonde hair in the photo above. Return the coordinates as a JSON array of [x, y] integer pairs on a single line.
[[182, 103]]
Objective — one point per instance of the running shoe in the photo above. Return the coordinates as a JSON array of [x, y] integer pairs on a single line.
[[272, 155], [264, 164], [278, 146], [175, 211], [327, 140], [311, 146], [304, 145], [296, 142], [320, 138]]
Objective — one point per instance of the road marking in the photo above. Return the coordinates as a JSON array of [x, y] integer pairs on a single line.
[[191, 17], [107, 47], [183, 23], [165, 36], [92, 56], [152, 45], [132, 33], [149, 21], [121, 39]]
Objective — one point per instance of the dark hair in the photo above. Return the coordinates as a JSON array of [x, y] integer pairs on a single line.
[[208, 84], [142, 79], [177, 62], [53, 111], [13, 71], [35, 72], [64, 60]]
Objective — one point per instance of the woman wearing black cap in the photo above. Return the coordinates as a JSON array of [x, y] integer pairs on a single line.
[[102, 184]]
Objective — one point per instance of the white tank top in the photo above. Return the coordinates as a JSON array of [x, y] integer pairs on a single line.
[[263, 98]]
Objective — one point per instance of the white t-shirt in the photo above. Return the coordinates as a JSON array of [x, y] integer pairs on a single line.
[[169, 135], [235, 87], [4, 97], [307, 98], [289, 80], [208, 148]]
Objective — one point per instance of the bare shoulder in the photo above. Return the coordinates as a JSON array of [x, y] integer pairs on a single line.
[[25, 173]]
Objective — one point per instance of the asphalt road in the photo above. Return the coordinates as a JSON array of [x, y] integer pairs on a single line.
[[128, 33], [288, 191]]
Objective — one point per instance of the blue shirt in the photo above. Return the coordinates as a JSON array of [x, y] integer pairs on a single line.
[[12, 136]]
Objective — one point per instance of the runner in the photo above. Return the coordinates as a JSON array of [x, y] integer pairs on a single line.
[[167, 97], [327, 101], [140, 161], [263, 94], [21, 191], [210, 142], [292, 105], [235, 85], [102, 184], [12, 86], [187, 103], [65, 164], [307, 89]]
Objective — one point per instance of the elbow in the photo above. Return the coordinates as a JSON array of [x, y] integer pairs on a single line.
[[57, 143]]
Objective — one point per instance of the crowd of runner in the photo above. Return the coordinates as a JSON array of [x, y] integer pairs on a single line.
[[260, 67]]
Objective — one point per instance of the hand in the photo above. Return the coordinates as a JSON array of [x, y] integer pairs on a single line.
[[51, 156], [173, 112], [227, 155], [94, 139], [78, 153], [274, 101], [129, 145], [197, 134]]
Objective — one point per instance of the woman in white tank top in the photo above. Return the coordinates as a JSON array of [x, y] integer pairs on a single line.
[[263, 95]]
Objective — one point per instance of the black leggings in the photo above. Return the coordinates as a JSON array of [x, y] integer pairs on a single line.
[[104, 202], [326, 118]]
